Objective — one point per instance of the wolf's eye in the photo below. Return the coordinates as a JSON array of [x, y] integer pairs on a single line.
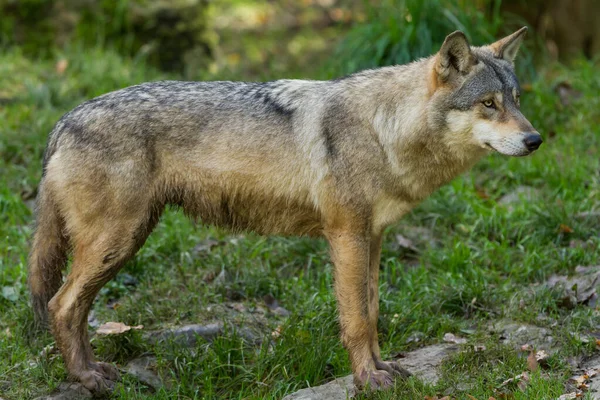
[[489, 103]]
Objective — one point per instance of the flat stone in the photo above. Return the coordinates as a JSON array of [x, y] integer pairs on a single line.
[[187, 335], [68, 391], [519, 194], [580, 288], [422, 363], [143, 369], [339, 389], [594, 382], [517, 334]]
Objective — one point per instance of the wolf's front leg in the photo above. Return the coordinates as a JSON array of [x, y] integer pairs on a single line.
[[391, 367], [351, 253]]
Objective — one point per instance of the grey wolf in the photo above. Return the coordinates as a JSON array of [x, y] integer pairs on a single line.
[[343, 159]]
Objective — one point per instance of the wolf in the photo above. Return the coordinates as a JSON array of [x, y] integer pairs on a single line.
[[342, 159]]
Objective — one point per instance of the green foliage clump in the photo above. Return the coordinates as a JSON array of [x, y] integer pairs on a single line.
[[170, 34], [400, 31]]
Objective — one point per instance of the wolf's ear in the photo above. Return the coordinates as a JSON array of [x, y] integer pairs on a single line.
[[508, 47], [454, 57]]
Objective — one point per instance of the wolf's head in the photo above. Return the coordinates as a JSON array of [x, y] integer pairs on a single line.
[[475, 96]]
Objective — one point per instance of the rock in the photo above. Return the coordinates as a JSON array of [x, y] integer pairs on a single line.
[[187, 335], [594, 382], [68, 391], [588, 215], [205, 246], [339, 389], [143, 369], [416, 337], [519, 334], [519, 194], [422, 363], [275, 307], [579, 288]]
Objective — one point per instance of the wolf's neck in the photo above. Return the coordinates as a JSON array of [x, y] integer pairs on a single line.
[[416, 153]]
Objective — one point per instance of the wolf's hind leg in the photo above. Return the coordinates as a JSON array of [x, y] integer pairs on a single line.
[[99, 252]]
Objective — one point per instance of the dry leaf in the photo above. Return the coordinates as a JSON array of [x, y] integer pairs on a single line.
[[542, 358], [277, 332], [521, 380], [451, 338], [532, 363], [61, 66], [115, 328], [569, 396], [206, 245], [406, 243], [526, 347], [481, 193], [479, 348], [471, 397], [565, 229]]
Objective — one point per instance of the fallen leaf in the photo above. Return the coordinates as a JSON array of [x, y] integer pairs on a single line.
[[532, 363], [569, 396], [115, 328], [579, 381], [451, 338], [520, 380], [277, 332], [479, 348], [481, 193], [523, 382], [527, 87], [471, 397], [206, 245], [562, 228], [61, 66], [406, 243], [542, 358]]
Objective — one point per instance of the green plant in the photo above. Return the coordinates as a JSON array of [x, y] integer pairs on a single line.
[[400, 31]]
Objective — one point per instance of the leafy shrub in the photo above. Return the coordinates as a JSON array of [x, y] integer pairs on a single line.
[[399, 31]]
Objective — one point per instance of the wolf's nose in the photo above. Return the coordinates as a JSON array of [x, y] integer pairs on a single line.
[[532, 141]]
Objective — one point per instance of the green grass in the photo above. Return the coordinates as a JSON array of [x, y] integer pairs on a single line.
[[479, 262]]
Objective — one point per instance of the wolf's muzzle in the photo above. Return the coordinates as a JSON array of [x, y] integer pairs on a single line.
[[532, 141]]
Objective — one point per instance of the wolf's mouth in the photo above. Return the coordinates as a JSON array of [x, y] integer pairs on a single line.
[[491, 147]]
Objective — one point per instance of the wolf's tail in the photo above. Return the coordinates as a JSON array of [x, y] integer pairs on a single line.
[[48, 255]]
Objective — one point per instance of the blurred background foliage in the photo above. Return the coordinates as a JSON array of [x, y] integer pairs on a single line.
[[197, 39]]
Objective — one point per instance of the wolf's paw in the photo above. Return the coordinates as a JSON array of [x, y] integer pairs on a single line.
[[374, 380], [100, 378], [393, 368]]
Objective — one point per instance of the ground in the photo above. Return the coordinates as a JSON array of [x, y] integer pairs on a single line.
[[478, 253]]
